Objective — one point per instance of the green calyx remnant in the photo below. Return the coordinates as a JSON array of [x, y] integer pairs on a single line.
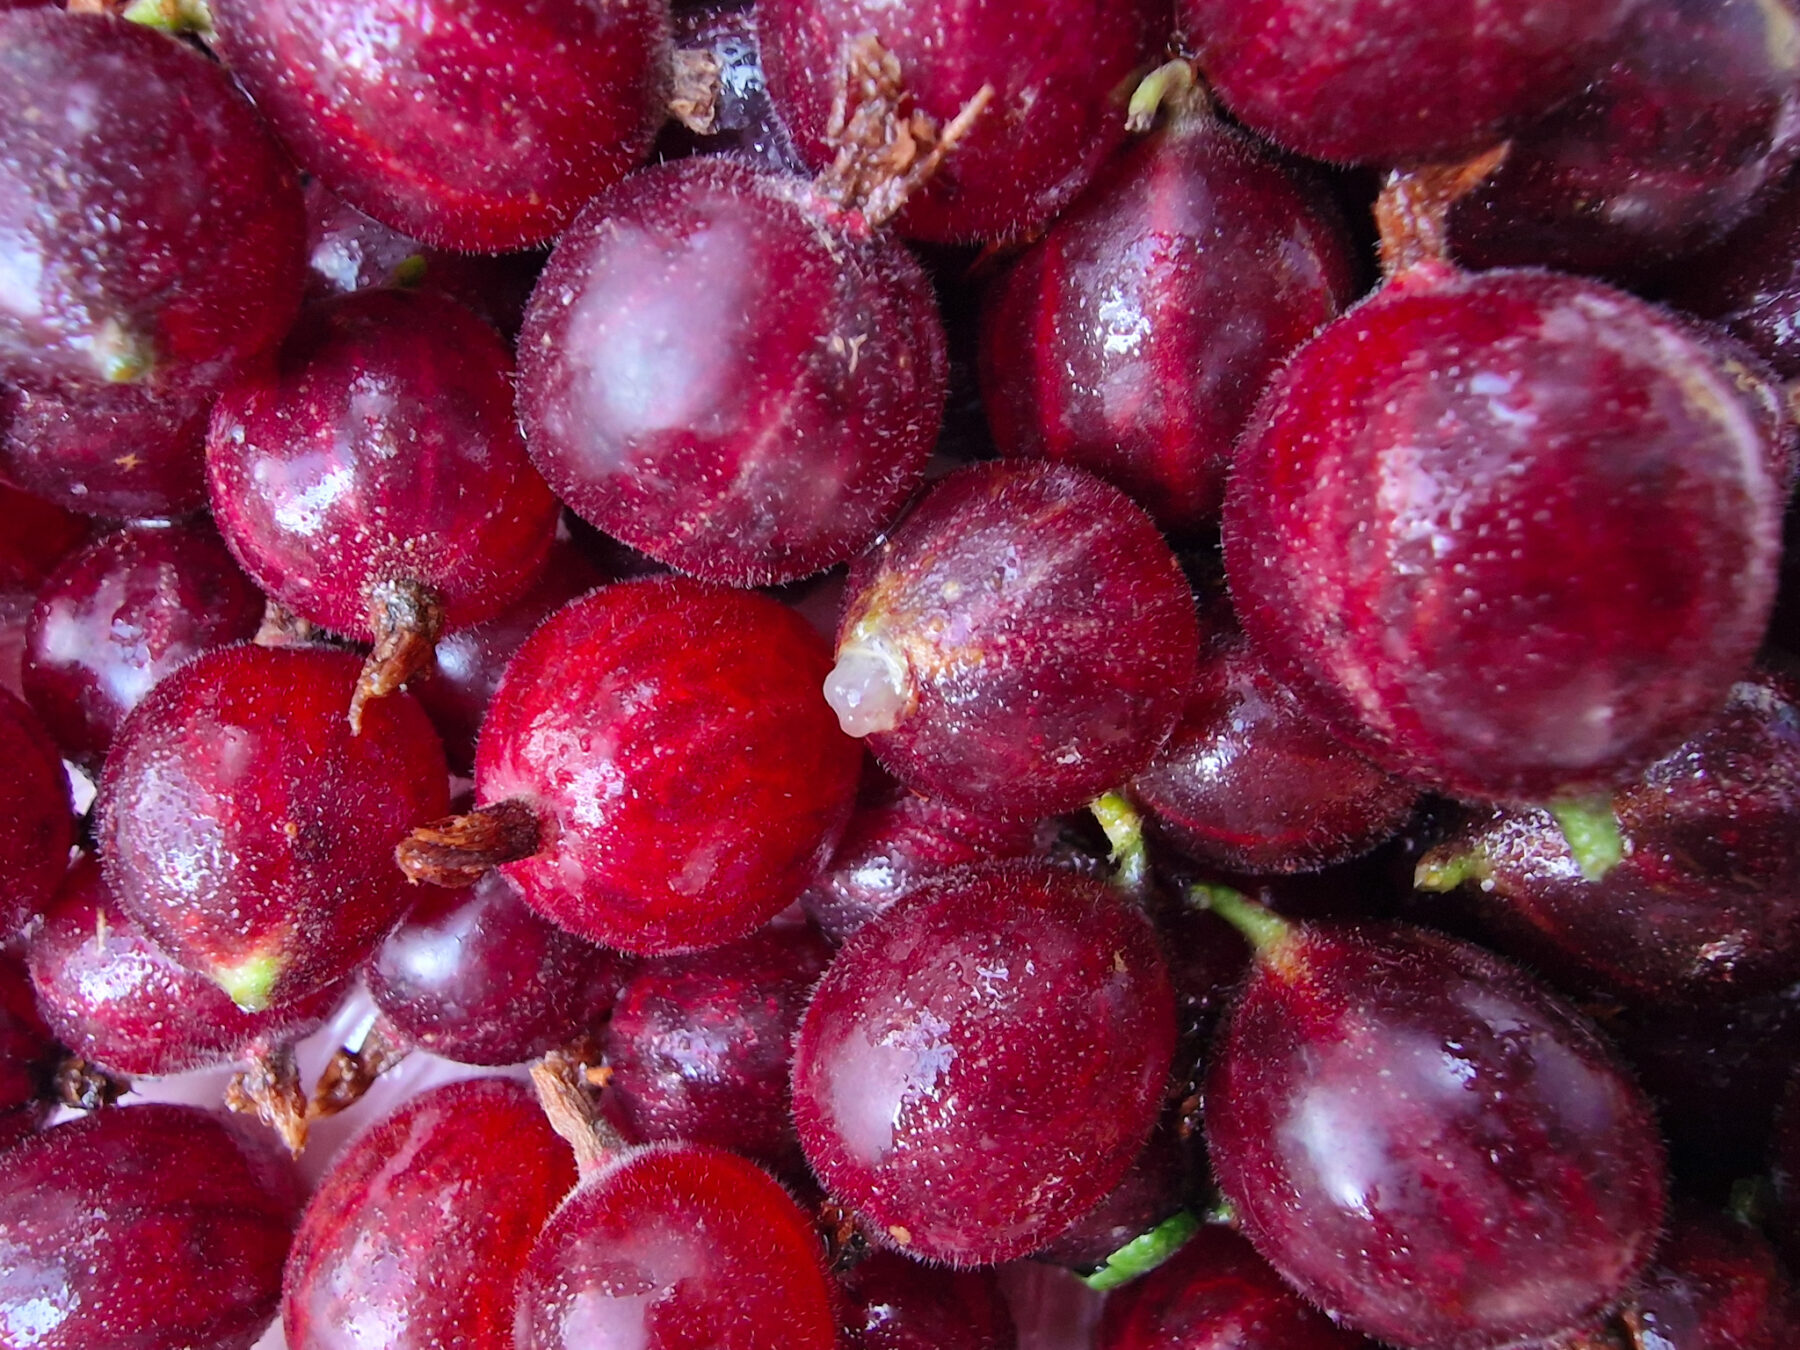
[[172, 16], [1144, 1254], [1444, 869], [1592, 831], [1260, 926], [411, 270], [1125, 832], [250, 981], [120, 355]]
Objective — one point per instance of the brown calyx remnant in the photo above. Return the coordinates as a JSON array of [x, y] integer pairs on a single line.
[[407, 619], [351, 1073], [83, 1085], [886, 148], [268, 1087], [1412, 211], [458, 850], [694, 96], [845, 1242], [562, 1084], [281, 627]]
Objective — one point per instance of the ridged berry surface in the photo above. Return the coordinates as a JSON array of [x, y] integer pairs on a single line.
[[415, 1238], [723, 372], [250, 832], [688, 776], [982, 1063], [145, 1226], [1134, 337], [479, 125], [1427, 1144], [1515, 534], [1060, 75], [379, 444], [677, 1247], [119, 616], [1365, 81], [152, 228]]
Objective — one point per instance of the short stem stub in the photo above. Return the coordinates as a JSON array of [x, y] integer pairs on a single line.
[[282, 627], [1413, 210], [1124, 828], [1145, 1253], [351, 1073], [460, 850], [1591, 828], [1172, 85], [1446, 867], [886, 151], [562, 1089], [268, 1087], [1263, 928], [694, 89], [406, 618]]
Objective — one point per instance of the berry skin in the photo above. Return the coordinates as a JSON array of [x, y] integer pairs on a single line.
[[1512, 534]]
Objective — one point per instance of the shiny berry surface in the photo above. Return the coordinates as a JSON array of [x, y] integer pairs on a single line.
[[1250, 783], [1715, 1285], [1512, 533], [152, 229], [1216, 1291], [1695, 118], [699, 1044], [113, 997], [478, 977], [981, 1064], [677, 1247], [379, 445], [1364, 81], [721, 373], [895, 843], [1059, 81], [1133, 338], [479, 125], [1426, 1143], [898, 1304], [688, 776], [36, 827], [250, 832], [415, 1238], [1019, 644], [470, 661], [145, 1226], [119, 450], [119, 616], [1705, 903]]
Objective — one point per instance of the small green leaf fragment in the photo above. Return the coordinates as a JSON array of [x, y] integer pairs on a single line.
[[1144, 1254]]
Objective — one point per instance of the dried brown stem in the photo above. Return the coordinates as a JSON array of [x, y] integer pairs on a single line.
[[459, 850], [561, 1081], [1413, 210], [83, 1085], [407, 618], [845, 1242], [694, 96], [886, 148], [268, 1087], [351, 1073]]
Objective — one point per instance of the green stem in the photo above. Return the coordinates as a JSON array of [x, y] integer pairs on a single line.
[[1125, 832], [1170, 85], [1592, 831], [1144, 1254], [1263, 928]]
